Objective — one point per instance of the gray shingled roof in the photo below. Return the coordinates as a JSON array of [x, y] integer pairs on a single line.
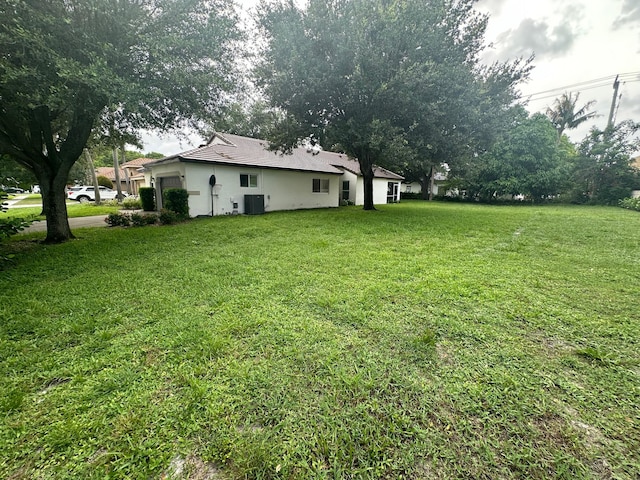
[[250, 152], [353, 166]]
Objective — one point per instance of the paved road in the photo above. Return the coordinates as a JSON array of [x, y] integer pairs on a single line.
[[95, 221], [81, 222]]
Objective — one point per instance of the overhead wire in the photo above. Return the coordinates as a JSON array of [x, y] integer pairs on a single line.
[[628, 77]]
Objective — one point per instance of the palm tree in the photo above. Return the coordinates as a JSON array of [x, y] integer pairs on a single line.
[[564, 116]]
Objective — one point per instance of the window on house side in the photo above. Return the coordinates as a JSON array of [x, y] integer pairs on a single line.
[[248, 180], [320, 185]]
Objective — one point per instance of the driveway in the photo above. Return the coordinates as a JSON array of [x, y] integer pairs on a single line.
[[80, 222], [14, 200]]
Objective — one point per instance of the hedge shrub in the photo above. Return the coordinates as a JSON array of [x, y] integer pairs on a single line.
[[168, 217], [631, 203], [176, 200], [127, 220], [141, 220], [131, 203], [104, 181], [118, 220], [148, 198]]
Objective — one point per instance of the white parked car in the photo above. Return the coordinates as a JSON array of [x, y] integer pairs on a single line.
[[85, 193]]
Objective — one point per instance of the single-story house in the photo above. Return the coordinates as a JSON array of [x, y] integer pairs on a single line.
[[411, 187], [131, 178], [636, 164], [439, 181], [109, 172], [232, 174], [386, 184]]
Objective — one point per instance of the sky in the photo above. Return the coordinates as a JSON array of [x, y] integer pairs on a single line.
[[579, 46]]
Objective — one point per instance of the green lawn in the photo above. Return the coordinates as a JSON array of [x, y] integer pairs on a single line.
[[74, 209], [421, 341], [29, 199]]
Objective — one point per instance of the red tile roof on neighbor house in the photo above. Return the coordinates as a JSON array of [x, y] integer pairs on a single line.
[[109, 172], [138, 162], [131, 167], [230, 149]]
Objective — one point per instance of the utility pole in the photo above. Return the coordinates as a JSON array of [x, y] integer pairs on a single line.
[[616, 85]]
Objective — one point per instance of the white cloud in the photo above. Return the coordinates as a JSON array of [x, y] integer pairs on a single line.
[[493, 6], [538, 37], [630, 13]]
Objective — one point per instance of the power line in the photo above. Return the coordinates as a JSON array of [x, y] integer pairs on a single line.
[[591, 87], [588, 84]]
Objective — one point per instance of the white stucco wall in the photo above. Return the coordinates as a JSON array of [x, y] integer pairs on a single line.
[[352, 178], [379, 191], [413, 187], [282, 189]]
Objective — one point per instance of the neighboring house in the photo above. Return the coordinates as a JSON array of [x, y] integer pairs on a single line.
[[411, 187], [636, 164], [109, 172], [131, 177], [133, 174], [439, 181], [248, 178]]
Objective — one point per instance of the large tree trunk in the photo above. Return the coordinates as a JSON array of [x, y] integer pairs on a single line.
[[432, 178], [424, 186], [33, 145], [54, 197], [366, 167]]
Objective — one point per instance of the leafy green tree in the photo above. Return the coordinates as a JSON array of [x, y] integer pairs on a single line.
[[526, 161], [255, 120], [13, 174], [387, 82], [67, 67], [604, 171], [564, 115]]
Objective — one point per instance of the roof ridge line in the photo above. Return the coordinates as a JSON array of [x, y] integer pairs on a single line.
[[222, 137]]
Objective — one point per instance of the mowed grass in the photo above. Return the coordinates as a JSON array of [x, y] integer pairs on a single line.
[[423, 340], [74, 210]]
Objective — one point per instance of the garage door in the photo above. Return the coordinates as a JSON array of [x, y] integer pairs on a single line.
[[170, 182]]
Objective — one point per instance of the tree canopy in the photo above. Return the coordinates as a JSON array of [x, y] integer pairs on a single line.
[[387, 82], [255, 120], [69, 67], [564, 115], [604, 172], [527, 161]]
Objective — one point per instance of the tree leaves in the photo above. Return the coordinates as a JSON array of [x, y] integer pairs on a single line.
[[342, 69], [69, 65]]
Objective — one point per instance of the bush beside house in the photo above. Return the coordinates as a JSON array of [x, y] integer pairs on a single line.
[[104, 181], [148, 198], [176, 200]]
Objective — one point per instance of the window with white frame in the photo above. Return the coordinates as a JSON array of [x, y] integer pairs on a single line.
[[320, 185], [248, 180]]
